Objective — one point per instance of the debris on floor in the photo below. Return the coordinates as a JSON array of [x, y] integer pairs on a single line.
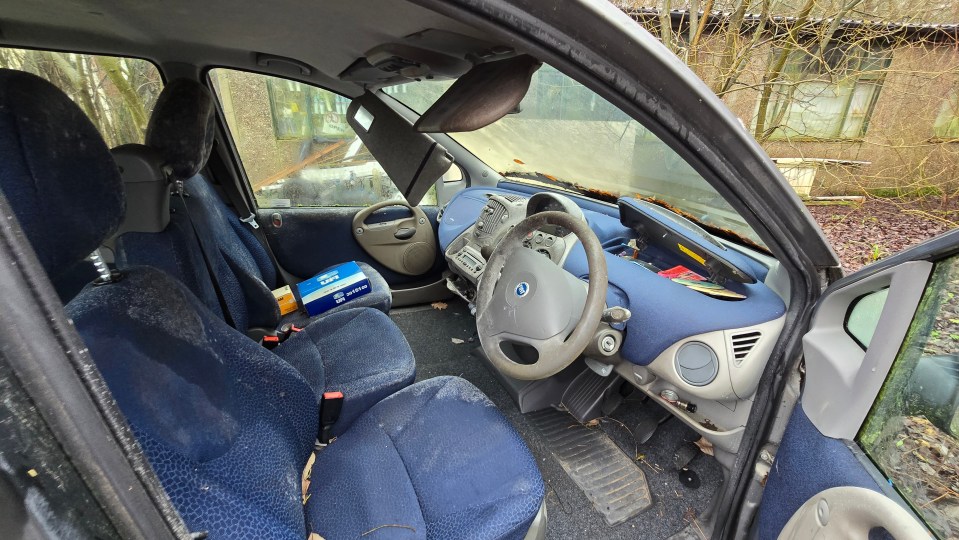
[[705, 446], [457, 340], [439, 305]]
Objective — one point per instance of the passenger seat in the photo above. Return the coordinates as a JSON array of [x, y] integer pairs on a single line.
[[333, 352], [181, 130]]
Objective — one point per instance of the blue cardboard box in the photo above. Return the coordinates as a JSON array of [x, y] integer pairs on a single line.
[[336, 286]]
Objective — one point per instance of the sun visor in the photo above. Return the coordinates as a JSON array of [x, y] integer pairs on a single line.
[[413, 160], [485, 94]]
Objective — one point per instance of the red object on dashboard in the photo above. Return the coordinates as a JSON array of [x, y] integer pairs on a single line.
[[681, 272]]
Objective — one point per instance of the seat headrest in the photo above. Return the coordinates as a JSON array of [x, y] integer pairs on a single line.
[[55, 172], [181, 127], [146, 181]]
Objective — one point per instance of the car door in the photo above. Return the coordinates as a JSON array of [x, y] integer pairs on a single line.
[[322, 198], [873, 442]]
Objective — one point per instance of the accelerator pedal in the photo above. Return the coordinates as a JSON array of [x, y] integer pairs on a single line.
[[610, 479]]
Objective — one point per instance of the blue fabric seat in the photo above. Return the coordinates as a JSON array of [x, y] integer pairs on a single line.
[[362, 354], [405, 462], [181, 129], [245, 274], [227, 425]]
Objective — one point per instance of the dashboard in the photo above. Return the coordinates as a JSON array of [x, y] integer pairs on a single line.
[[705, 313], [468, 253]]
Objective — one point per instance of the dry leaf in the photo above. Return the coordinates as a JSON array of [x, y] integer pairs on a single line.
[[457, 340], [705, 446], [439, 305], [592, 423], [307, 472], [314, 536]]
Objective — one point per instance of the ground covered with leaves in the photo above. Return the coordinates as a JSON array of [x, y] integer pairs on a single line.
[[863, 232]]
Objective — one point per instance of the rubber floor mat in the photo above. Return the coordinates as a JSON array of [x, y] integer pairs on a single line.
[[610, 479]]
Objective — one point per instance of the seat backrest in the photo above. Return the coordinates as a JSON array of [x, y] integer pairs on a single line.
[[181, 130], [226, 425]]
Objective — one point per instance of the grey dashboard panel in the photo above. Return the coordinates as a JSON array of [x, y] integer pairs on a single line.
[[842, 379]]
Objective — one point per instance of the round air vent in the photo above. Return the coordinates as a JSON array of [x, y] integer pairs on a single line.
[[696, 363]]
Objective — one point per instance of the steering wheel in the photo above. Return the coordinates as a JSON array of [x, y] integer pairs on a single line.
[[523, 297]]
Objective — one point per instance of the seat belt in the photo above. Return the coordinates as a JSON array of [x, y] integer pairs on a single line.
[[244, 211], [204, 250]]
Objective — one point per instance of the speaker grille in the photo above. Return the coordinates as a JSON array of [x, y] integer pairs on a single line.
[[418, 258]]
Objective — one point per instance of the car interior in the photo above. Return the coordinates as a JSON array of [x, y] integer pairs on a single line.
[[565, 325]]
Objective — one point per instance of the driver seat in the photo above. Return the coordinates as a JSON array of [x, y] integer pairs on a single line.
[[227, 425]]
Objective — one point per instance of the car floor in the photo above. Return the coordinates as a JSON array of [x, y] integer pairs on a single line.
[[431, 333]]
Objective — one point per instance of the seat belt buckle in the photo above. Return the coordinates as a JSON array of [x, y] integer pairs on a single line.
[[270, 342], [330, 406], [251, 221], [288, 330]]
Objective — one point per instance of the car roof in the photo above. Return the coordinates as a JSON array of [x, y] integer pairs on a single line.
[[328, 36]]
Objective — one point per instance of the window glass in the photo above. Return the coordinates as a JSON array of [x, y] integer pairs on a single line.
[[117, 94], [911, 432], [567, 137], [826, 96], [864, 316], [947, 121], [296, 146]]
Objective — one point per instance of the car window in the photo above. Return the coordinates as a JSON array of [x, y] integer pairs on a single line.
[[295, 144], [863, 316], [912, 432], [116, 93]]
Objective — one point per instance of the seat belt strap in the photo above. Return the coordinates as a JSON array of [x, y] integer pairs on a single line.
[[244, 210], [206, 258]]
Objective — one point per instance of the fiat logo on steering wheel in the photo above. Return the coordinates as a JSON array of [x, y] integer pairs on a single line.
[[522, 289]]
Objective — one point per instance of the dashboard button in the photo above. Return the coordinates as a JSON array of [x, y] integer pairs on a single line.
[[539, 238], [549, 241]]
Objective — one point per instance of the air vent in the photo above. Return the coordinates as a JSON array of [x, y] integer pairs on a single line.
[[490, 217], [743, 344], [512, 198]]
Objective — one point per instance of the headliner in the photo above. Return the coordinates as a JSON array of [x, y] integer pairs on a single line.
[[327, 35]]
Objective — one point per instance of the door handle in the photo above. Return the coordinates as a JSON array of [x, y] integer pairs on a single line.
[[404, 233]]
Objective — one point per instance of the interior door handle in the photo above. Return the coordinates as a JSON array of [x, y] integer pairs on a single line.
[[404, 233]]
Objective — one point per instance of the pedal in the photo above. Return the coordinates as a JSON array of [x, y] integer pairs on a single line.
[[585, 395], [650, 418], [684, 454]]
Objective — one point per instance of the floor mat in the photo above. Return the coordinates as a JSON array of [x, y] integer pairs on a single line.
[[610, 479], [443, 341]]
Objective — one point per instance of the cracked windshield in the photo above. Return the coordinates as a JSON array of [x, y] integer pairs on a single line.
[[565, 136]]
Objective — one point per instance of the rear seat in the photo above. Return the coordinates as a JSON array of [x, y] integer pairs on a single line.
[[334, 352], [181, 130]]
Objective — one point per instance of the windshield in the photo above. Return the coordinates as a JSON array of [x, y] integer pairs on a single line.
[[566, 136]]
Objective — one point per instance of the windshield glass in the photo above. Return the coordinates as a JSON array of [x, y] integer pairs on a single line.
[[566, 136]]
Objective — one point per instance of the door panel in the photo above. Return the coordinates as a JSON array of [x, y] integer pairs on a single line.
[[879, 405], [406, 245], [311, 239], [808, 462]]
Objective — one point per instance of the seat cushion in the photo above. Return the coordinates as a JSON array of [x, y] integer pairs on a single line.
[[380, 298], [435, 460], [360, 352]]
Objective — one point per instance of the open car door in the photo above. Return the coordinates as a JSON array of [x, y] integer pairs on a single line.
[[873, 443]]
